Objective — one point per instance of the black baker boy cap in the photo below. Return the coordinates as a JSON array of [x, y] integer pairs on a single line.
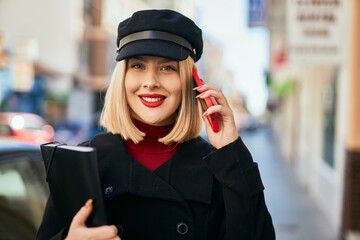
[[164, 33]]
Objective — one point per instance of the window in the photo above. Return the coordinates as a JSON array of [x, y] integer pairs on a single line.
[[329, 102]]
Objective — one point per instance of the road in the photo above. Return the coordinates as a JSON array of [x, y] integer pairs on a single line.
[[294, 213]]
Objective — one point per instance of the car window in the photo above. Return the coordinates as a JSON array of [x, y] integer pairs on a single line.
[[23, 195], [11, 184]]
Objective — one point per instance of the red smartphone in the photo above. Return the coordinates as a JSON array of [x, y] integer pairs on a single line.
[[213, 119]]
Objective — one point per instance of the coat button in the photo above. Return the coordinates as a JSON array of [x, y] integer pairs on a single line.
[[182, 228], [108, 190]]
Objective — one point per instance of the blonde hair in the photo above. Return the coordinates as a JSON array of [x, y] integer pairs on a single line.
[[116, 118]]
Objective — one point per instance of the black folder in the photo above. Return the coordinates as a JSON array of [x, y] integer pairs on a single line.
[[73, 178]]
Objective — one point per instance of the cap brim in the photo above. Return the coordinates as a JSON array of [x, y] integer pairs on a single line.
[[153, 48]]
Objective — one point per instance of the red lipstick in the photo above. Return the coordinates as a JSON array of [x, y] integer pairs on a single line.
[[152, 100]]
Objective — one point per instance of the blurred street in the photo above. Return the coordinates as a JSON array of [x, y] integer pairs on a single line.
[[294, 213]]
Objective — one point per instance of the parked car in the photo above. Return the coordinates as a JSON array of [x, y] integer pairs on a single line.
[[26, 127], [23, 189]]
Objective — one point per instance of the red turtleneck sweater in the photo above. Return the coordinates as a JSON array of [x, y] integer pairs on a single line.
[[150, 152]]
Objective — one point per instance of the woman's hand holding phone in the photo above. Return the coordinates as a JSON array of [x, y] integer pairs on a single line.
[[226, 131]]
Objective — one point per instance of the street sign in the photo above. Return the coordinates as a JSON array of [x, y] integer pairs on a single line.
[[316, 30], [257, 11]]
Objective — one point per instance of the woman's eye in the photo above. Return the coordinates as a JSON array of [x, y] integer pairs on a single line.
[[137, 66], [168, 68]]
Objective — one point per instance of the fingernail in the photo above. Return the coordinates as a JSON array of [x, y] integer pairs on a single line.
[[199, 95], [88, 203], [198, 87]]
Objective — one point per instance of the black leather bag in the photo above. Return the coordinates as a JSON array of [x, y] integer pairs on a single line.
[[73, 178]]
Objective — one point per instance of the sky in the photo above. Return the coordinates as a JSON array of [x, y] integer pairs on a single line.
[[245, 49]]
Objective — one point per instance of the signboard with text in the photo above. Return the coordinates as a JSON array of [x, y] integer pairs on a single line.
[[316, 30], [257, 14]]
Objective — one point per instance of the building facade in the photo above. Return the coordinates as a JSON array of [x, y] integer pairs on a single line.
[[314, 73]]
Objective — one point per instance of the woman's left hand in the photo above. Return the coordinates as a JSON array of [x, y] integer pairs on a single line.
[[227, 129]]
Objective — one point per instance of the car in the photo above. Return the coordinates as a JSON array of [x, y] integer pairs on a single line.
[[23, 189], [27, 127]]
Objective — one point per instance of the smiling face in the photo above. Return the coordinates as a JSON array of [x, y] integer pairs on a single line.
[[153, 89]]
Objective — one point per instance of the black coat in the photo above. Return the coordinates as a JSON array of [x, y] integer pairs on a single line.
[[200, 194]]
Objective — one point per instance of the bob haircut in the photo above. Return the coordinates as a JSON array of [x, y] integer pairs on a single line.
[[116, 117]]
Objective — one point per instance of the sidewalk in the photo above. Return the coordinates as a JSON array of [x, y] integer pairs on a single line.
[[294, 214]]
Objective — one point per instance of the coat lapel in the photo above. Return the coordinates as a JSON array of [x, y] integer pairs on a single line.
[[186, 176], [189, 173]]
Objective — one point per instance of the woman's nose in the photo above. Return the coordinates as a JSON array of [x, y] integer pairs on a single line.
[[151, 80]]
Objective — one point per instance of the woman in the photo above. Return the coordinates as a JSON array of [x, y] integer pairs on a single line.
[[160, 179]]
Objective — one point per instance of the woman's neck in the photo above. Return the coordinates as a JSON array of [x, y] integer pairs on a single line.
[[150, 152]]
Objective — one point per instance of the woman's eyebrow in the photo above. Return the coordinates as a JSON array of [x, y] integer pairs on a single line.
[[137, 58]]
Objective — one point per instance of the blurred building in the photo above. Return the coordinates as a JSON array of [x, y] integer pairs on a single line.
[[42, 38], [313, 84]]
